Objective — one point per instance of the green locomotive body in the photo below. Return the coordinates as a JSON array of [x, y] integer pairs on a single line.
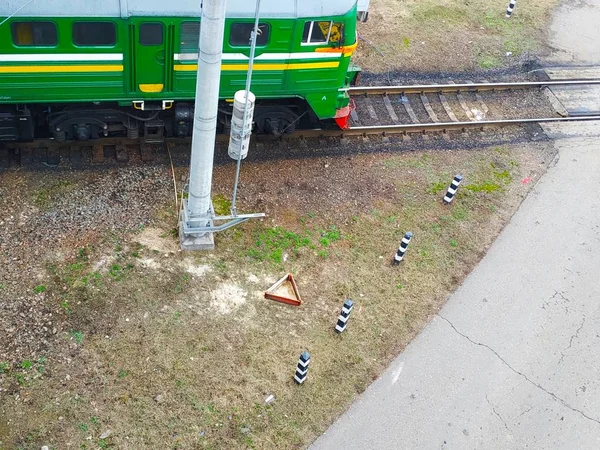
[[90, 74]]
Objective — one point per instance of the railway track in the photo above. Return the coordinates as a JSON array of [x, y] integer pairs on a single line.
[[376, 111]]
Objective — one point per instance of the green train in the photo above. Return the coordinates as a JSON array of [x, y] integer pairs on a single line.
[[82, 70]]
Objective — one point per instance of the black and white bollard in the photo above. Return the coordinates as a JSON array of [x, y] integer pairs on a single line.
[[452, 189], [302, 368], [402, 249], [511, 7], [342, 322]]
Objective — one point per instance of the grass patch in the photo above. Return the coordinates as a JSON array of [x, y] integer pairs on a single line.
[[433, 36], [44, 198], [489, 62], [487, 186], [271, 243]]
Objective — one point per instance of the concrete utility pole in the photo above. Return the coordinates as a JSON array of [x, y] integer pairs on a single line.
[[197, 210]]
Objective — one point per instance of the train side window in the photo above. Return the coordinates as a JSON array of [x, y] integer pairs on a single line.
[[240, 34], [94, 33], [39, 34], [151, 34], [190, 36], [322, 32]]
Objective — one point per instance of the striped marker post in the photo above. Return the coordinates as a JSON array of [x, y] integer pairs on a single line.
[[452, 189], [399, 256], [302, 368], [344, 316], [511, 7]]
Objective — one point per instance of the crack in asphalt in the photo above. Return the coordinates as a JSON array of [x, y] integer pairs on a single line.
[[496, 412], [575, 335], [521, 374]]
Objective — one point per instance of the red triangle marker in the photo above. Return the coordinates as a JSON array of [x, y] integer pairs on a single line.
[[285, 291]]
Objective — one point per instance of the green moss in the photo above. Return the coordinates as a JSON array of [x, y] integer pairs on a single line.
[[222, 205]]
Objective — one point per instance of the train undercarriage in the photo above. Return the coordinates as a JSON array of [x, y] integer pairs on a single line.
[[149, 121]]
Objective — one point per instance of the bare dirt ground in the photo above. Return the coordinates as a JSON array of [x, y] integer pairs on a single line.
[[114, 338]]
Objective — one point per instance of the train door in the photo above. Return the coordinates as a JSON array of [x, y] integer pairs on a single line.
[[150, 57]]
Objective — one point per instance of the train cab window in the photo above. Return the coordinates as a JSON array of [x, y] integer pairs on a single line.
[[39, 34], [190, 36], [241, 33], [151, 34], [322, 32], [94, 33]]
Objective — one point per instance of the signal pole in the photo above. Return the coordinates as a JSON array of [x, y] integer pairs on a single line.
[[197, 208], [197, 217]]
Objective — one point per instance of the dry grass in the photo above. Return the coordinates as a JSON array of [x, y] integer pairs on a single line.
[[195, 330], [450, 35]]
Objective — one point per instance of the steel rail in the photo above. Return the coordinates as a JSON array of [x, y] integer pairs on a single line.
[[376, 130], [412, 128], [464, 87]]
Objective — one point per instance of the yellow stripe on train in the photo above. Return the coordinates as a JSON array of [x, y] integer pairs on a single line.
[[63, 69], [282, 66]]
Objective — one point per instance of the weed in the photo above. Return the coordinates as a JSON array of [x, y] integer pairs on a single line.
[[322, 254], [83, 426], [26, 364], [102, 443], [460, 213], [122, 374], [406, 42], [489, 62], [66, 307], [399, 286], [272, 242], [118, 248], [77, 335], [487, 187], [436, 227], [4, 367], [82, 253], [453, 243], [94, 420], [503, 176], [135, 254], [436, 188], [76, 267], [116, 272], [1, 286], [41, 364], [20, 379], [39, 289], [311, 214]]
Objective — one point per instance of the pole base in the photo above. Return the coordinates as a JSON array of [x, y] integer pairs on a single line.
[[204, 241]]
